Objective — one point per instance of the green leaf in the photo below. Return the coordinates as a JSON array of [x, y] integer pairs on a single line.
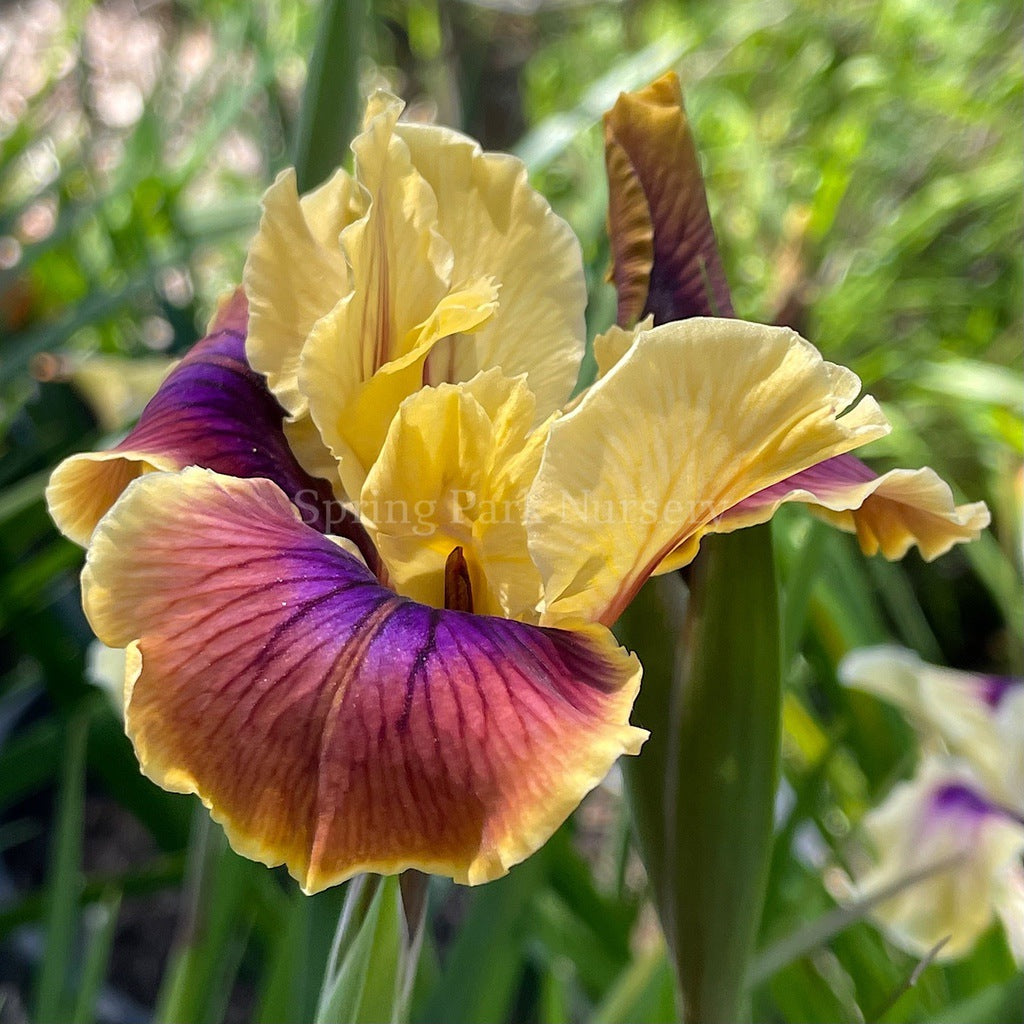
[[993, 1005], [290, 987], [364, 978], [653, 626], [65, 879], [330, 101], [100, 922], [486, 961], [644, 991], [217, 914]]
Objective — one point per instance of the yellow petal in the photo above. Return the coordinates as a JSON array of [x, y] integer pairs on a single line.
[[613, 344], [630, 230], [889, 513], [908, 507], [294, 274], [670, 439], [454, 472], [498, 225], [353, 413], [310, 451]]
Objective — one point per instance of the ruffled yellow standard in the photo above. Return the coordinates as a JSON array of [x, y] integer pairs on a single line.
[[421, 676], [433, 262]]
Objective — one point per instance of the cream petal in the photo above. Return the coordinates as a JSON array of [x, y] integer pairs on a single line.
[[976, 717], [940, 817]]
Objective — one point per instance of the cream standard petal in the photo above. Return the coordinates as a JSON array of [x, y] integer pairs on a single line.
[[668, 440], [454, 472], [294, 274], [497, 224]]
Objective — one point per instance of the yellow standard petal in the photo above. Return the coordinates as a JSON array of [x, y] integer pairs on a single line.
[[668, 440], [295, 273], [613, 344], [366, 354], [498, 225], [454, 472]]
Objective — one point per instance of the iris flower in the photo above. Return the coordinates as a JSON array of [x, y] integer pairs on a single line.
[[963, 808], [364, 553], [973, 716], [945, 821]]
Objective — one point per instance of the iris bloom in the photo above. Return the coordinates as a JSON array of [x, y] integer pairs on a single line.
[[364, 554], [965, 805], [945, 819], [976, 717]]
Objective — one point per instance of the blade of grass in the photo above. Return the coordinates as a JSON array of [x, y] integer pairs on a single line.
[[100, 923], [64, 879], [910, 981], [828, 926]]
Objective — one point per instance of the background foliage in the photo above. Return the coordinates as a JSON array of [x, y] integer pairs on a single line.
[[863, 167]]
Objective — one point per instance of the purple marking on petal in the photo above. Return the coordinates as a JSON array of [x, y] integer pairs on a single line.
[[961, 805], [332, 723], [993, 689], [956, 799], [215, 411], [824, 479]]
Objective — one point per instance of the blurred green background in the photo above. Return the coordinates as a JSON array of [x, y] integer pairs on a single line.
[[863, 163]]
